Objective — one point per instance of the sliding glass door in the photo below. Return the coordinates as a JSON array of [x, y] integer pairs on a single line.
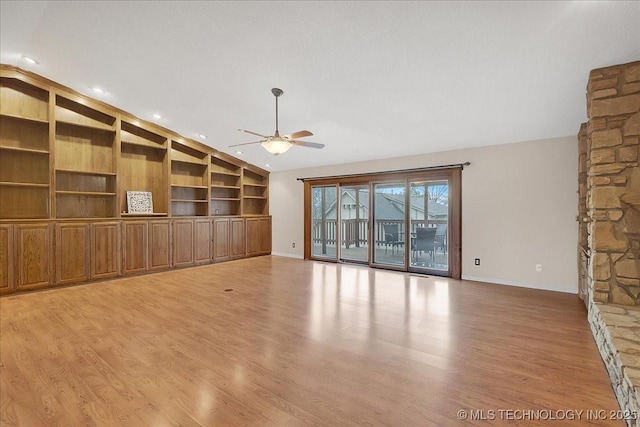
[[408, 221], [429, 226], [389, 224], [324, 220], [354, 223]]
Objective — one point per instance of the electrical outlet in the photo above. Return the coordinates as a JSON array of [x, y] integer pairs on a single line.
[[539, 268], [477, 261], [293, 245]]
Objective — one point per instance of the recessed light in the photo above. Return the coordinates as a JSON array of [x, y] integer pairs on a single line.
[[267, 165], [156, 116], [203, 136], [30, 60], [98, 90], [238, 152]]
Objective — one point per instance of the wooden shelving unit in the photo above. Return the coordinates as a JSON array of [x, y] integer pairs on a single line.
[[255, 192], [85, 161], [66, 164], [226, 187], [189, 180], [143, 167], [24, 150]]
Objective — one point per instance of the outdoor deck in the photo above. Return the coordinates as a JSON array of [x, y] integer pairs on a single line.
[[383, 255]]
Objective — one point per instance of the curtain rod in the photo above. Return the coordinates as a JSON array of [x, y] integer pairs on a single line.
[[355, 175]]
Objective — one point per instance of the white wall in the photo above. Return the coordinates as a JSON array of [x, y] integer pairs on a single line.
[[519, 206]]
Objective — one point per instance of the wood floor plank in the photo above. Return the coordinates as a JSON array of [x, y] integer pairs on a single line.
[[294, 343]]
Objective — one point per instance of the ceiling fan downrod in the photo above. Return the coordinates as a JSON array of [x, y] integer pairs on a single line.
[[277, 93]]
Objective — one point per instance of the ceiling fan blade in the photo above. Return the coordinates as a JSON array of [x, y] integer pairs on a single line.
[[308, 144], [253, 133], [246, 143], [299, 134]]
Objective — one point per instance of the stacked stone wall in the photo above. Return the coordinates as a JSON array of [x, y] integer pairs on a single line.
[[613, 184]]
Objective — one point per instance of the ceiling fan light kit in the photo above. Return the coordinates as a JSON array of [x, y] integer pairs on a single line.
[[277, 144]]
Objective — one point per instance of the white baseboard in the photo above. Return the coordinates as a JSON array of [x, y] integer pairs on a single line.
[[519, 284], [288, 255]]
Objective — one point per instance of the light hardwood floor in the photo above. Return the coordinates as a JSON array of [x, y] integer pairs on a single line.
[[295, 343]]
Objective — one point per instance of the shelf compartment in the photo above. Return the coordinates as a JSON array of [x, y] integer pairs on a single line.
[[85, 149], [228, 193], [222, 167], [74, 205], [188, 174], [20, 99], [185, 154], [144, 169], [255, 206], [135, 135], [21, 202], [188, 208], [225, 207], [255, 191], [23, 135], [24, 167], [189, 193], [80, 182], [72, 113]]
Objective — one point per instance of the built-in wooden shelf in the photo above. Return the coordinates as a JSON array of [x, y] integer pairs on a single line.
[[23, 184], [85, 193], [234, 199], [27, 119], [23, 150], [230, 187], [145, 144], [255, 197], [81, 172], [188, 200], [93, 127], [139, 214]]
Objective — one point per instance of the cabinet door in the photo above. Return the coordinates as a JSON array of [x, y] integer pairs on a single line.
[[221, 235], [238, 242], [202, 241], [6, 259], [253, 236], [105, 246], [182, 242], [72, 252], [34, 244], [135, 246], [265, 235], [159, 244]]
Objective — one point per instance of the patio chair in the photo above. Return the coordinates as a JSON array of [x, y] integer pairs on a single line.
[[440, 239], [424, 241], [392, 237]]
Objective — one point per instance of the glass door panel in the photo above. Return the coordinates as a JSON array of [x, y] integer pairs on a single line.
[[354, 223], [430, 231], [388, 237], [324, 219]]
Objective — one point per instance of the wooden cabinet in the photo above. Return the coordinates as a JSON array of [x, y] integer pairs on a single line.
[[202, 241], [159, 244], [66, 164], [134, 247], [72, 252], [221, 239], [6, 259], [258, 236], [183, 242], [105, 248], [34, 250], [238, 244]]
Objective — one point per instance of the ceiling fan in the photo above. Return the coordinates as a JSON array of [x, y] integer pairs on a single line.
[[278, 144]]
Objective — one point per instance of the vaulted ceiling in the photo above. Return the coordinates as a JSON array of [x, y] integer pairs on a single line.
[[371, 80]]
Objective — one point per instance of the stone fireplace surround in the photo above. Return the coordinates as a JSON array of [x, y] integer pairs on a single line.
[[609, 231]]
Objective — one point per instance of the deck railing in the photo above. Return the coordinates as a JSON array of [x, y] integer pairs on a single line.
[[355, 232]]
